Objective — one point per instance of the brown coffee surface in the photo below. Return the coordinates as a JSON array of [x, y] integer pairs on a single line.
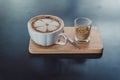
[[82, 32], [45, 24]]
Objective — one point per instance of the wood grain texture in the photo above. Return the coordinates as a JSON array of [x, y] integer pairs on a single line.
[[95, 45]]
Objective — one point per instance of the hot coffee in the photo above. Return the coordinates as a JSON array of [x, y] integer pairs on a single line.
[[45, 24], [46, 30]]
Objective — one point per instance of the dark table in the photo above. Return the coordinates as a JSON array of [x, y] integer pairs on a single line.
[[17, 64]]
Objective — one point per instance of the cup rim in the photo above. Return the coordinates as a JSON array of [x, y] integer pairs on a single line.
[[88, 19], [58, 18]]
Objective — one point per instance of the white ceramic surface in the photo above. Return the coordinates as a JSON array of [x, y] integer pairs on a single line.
[[47, 39]]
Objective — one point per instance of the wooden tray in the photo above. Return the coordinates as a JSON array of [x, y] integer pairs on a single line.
[[95, 45]]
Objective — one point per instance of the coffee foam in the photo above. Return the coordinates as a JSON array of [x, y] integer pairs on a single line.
[[45, 24]]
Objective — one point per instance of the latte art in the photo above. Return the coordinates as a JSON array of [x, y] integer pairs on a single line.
[[46, 24]]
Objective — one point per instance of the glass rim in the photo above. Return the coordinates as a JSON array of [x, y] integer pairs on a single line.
[[85, 18]]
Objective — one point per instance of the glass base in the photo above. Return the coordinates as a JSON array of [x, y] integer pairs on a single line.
[[80, 41]]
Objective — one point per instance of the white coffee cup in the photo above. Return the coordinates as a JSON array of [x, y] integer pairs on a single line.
[[47, 39]]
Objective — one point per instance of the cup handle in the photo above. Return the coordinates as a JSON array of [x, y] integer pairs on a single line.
[[61, 42]]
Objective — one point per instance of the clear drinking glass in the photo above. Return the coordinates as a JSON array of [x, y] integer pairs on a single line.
[[82, 29]]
